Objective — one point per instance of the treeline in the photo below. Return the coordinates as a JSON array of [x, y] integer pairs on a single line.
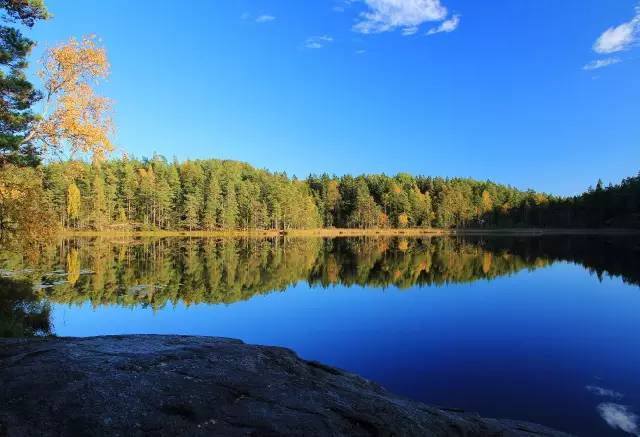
[[612, 206], [191, 195], [154, 194]]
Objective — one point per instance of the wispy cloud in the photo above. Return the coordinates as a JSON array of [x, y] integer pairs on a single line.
[[446, 26], [317, 42], [621, 37], [407, 15], [600, 63], [619, 416], [410, 30], [604, 392], [616, 39], [265, 18], [360, 52]]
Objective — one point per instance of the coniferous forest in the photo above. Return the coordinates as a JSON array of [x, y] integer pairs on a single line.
[[210, 195]]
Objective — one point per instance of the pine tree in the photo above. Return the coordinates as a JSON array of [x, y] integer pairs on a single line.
[[99, 205], [190, 208], [230, 210], [213, 204], [128, 186], [17, 94]]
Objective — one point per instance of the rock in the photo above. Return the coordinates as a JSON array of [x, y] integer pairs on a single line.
[[177, 385]]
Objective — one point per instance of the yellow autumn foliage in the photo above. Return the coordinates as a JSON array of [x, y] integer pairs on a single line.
[[73, 201], [73, 267], [487, 260], [403, 245], [25, 214], [74, 116], [403, 220]]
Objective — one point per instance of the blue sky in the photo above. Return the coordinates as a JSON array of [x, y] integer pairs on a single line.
[[506, 90]]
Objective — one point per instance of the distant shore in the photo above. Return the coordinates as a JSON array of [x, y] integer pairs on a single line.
[[348, 232]]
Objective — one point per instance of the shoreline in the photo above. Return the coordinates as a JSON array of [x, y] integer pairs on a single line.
[[348, 232]]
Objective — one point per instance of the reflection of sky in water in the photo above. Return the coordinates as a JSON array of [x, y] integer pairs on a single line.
[[553, 346]]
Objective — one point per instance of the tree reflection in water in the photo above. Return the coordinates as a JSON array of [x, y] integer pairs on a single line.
[[22, 312], [164, 271]]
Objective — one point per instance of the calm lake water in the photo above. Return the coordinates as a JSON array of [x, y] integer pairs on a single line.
[[545, 329]]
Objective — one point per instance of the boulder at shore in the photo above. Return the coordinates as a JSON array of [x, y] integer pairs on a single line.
[[178, 385]]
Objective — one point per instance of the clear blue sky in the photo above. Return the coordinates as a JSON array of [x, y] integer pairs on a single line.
[[337, 86]]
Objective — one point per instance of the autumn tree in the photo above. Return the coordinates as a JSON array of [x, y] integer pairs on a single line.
[[25, 212], [73, 202], [74, 115]]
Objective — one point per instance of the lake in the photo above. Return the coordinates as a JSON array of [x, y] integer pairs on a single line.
[[544, 328]]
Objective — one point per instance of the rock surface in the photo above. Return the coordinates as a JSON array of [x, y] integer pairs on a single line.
[[175, 385]]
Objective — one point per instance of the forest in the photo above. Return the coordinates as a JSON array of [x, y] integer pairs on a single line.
[[43, 190], [212, 195]]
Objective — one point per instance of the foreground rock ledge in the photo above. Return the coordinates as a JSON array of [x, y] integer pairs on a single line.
[[175, 385]]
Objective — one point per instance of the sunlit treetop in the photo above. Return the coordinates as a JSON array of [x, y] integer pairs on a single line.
[[26, 12], [74, 115], [74, 63]]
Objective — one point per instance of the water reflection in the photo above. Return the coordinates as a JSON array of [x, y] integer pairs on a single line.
[[525, 347], [154, 273], [22, 312]]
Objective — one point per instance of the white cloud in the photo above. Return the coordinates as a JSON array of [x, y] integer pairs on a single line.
[[621, 37], [387, 15], [605, 392], [265, 18], [317, 42], [616, 39], [619, 416], [446, 26], [600, 63], [407, 31], [360, 52]]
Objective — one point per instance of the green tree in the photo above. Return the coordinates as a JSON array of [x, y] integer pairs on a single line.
[[99, 202], [366, 212], [190, 209], [213, 204], [17, 94], [127, 187], [230, 210]]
